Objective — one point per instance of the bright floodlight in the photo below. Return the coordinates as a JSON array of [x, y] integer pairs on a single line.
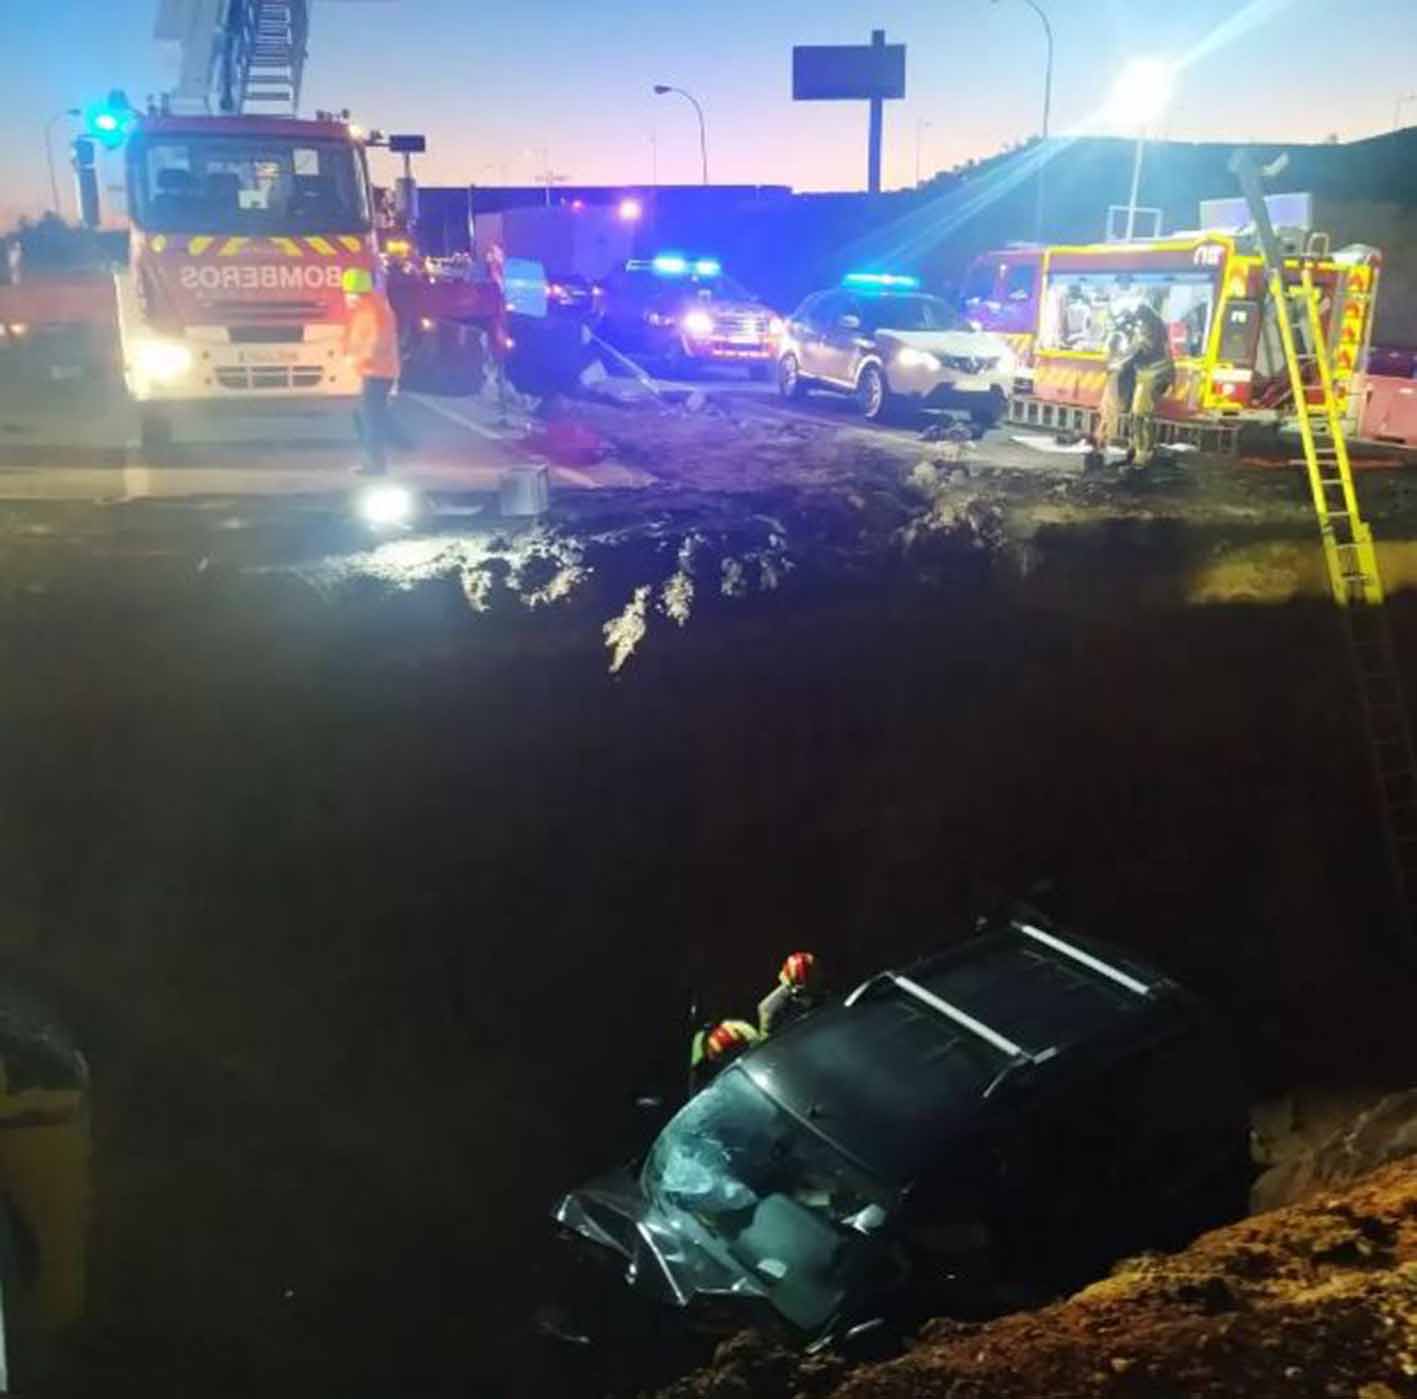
[[630, 210], [386, 504], [1141, 93]]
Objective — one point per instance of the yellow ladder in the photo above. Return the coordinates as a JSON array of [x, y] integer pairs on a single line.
[[1352, 564]]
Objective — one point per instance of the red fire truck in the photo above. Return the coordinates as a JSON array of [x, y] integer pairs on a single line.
[[242, 228], [242, 223], [1058, 306]]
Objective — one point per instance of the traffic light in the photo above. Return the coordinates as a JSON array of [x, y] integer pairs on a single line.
[[110, 121]]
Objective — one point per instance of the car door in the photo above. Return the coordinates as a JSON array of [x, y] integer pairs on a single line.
[[841, 342], [808, 329]]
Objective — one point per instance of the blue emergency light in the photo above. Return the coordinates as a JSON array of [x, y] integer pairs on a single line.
[[110, 122], [670, 265], [881, 281], [707, 267]]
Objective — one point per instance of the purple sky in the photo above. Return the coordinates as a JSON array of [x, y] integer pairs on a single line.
[[497, 88]]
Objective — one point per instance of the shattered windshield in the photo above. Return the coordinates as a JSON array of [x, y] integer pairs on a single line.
[[731, 1148], [912, 313]]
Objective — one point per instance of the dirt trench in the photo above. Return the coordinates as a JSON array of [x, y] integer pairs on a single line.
[[377, 909]]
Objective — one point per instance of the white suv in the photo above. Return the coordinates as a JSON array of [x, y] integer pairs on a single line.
[[890, 346]]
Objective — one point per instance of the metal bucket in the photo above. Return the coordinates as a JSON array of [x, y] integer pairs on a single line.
[[525, 490]]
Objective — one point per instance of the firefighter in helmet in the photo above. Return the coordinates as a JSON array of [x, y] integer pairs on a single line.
[[715, 1047], [798, 990], [1150, 353], [1139, 372]]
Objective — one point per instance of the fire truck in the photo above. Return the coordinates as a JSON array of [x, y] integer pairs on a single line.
[[244, 218], [1058, 307]]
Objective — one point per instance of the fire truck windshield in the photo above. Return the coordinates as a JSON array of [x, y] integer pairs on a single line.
[[257, 185]]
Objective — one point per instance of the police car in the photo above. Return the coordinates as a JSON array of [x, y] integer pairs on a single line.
[[881, 339]]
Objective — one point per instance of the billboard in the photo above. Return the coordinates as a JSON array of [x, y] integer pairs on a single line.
[[837, 72]]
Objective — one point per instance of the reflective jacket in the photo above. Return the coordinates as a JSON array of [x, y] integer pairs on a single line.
[[371, 337]]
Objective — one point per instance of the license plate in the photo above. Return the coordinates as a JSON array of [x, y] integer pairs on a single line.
[[971, 383], [268, 357]]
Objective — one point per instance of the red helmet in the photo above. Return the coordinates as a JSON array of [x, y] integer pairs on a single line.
[[729, 1038], [799, 972]]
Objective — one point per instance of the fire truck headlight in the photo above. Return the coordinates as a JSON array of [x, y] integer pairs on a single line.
[[162, 360], [777, 327], [386, 504], [699, 324]]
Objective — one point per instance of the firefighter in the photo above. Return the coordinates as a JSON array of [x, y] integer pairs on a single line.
[[1155, 373], [371, 345], [798, 991], [715, 1047]]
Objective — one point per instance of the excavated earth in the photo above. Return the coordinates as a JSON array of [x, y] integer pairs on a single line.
[[1316, 1298]]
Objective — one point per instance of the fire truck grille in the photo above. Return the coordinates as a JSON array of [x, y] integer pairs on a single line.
[[274, 376], [236, 312]]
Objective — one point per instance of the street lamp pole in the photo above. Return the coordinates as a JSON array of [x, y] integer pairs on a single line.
[[49, 153], [1142, 91], [1136, 185], [660, 90], [1047, 115]]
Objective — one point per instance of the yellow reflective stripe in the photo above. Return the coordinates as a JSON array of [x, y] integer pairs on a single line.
[[159, 243], [289, 247], [232, 246], [199, 245], [351, 243], [322, 245]]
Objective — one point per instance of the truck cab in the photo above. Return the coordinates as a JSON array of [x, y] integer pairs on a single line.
[[242, 228]]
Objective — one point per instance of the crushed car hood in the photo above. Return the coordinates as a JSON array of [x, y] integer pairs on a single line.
[[958, 344], [664, 1262]]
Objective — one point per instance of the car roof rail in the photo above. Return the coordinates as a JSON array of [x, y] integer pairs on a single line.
[[951, 1012], [1087, 959]]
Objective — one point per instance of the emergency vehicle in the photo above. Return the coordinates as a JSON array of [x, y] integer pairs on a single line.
[[243, 218], [242, 228], [1059, 305]]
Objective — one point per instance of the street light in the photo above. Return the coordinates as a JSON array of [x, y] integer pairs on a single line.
[[921, 127], [49, 152], [1140, 96], [660, 89], [1047, 112]]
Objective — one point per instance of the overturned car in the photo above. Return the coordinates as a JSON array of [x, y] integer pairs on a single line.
[[990, 1125]]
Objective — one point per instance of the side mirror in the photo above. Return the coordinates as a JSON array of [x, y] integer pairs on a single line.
[[849, 322]]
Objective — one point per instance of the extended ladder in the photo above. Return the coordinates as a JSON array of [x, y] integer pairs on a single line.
[[265, 55], [1349, 554]]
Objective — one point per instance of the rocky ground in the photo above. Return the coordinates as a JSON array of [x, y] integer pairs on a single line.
[[1316, 1298]]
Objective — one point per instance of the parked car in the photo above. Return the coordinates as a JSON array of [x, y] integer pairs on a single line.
[[680, 311], [570, 294], [890, 345], [1005, 1116]]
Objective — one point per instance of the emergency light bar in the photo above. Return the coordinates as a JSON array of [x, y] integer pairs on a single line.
[[675, 265], [884, 280]]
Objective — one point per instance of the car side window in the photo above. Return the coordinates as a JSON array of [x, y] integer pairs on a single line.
[[1019, 281], [809, 312], [828, 310]]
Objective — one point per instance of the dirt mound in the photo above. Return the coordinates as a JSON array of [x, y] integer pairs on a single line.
[[1319, 1299]]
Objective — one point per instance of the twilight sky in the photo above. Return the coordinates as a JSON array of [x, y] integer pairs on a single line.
[[496, 87]]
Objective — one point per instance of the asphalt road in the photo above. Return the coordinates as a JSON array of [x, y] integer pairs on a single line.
[[77, 439]]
